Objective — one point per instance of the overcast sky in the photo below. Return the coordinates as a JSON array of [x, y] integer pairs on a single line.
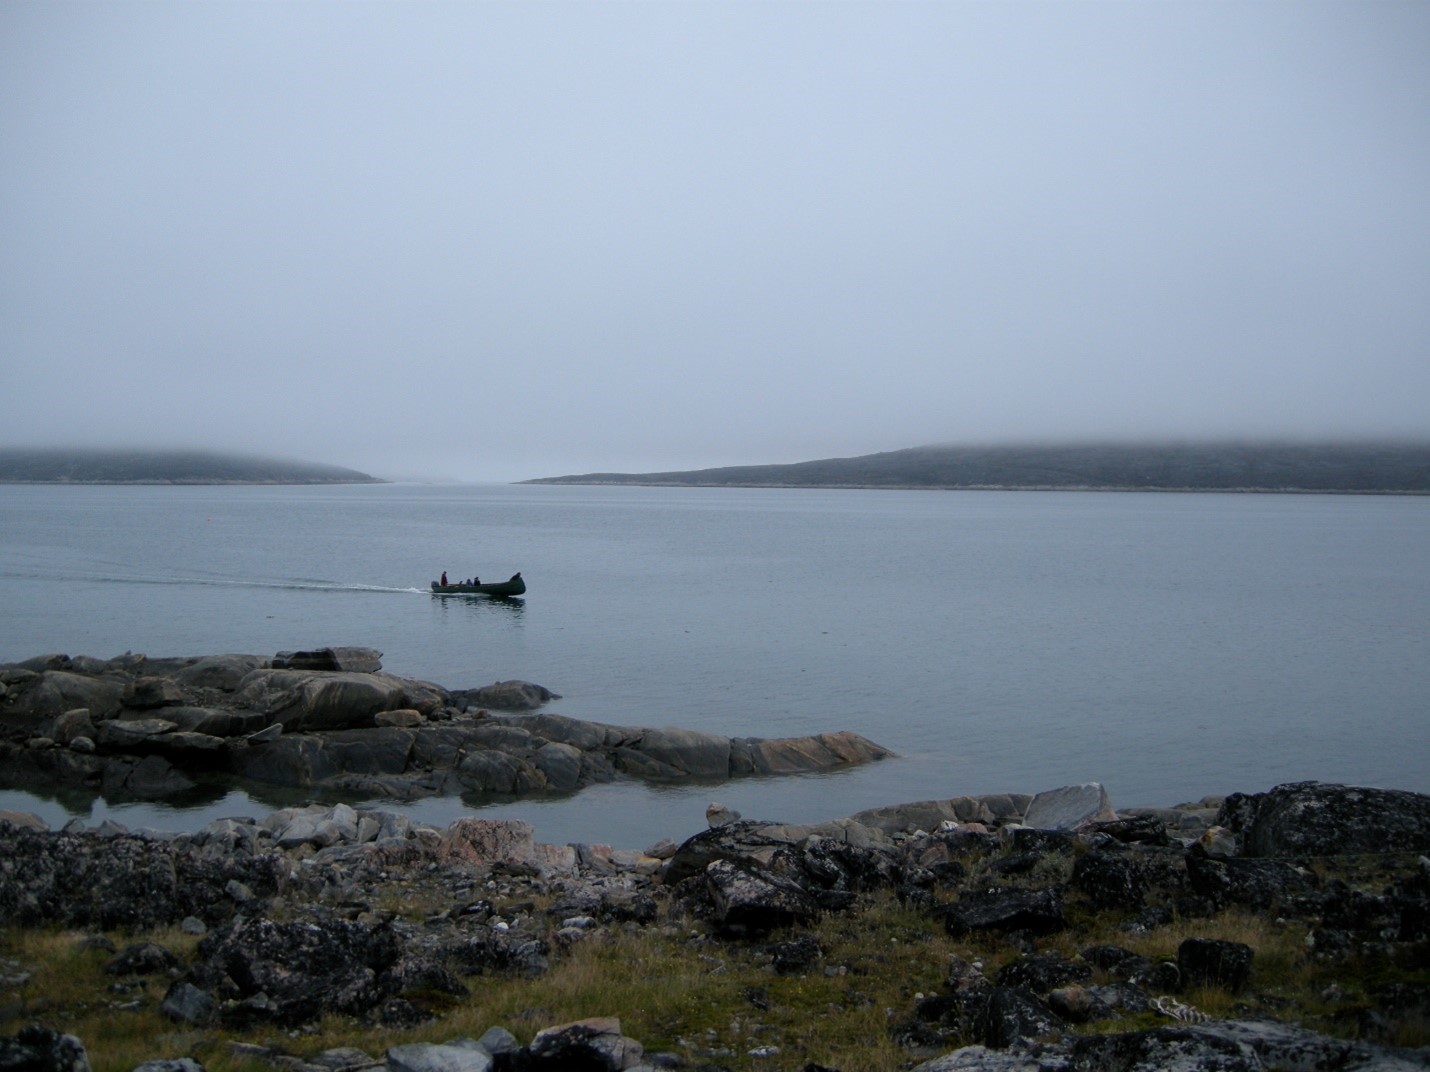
[[491, 241]]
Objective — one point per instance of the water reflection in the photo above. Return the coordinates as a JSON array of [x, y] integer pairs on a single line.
[[625, 813], [462, 606]]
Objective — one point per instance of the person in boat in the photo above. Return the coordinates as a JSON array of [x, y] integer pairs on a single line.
[[476, 580], [444, 579]]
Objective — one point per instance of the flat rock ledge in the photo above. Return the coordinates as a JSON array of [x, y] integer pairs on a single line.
[[331, 719], [289, 907]]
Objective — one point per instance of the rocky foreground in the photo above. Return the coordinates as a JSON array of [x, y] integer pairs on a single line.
[[332, 720], [1026, 915], [1038, 933]]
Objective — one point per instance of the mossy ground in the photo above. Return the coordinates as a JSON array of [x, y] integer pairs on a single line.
[[717, 1003]]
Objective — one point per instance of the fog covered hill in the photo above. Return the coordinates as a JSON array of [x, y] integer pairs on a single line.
[[1336, 467], [56, 466]]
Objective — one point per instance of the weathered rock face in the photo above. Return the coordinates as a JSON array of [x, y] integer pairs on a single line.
[[1111, 879], [428, 1057], [150, 691], [32, 702], [219, 672], [930, 814], [1312, 818], [1069, 808], [293, 973], [749, 900], [309, 701], [82, 880]]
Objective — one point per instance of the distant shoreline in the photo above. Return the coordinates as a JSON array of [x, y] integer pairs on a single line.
[[1234, 468], [183, 483], [51, 466], [983, 487]]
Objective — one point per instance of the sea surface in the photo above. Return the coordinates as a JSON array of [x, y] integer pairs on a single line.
[[1170, 646]]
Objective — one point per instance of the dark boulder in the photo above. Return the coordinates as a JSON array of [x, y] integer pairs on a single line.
[[627, 906], [1037, 911], [292, 973], [1161, 1049], [414, 971], [743, 843], [795, 956], [594, 1045], [1027, 839], [491, 950], [1133, 830], [1260, 884], [186, 1003], [1401, 913], [751, 901], [1130, 967], [1213, 962], [1110, 880], [37, 1049], [835, 865], [1317, 819], [1010, 1016], [1042, 972], [141, 958]]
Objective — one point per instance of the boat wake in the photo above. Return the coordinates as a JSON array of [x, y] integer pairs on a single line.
[[288, 584], [296, 585]]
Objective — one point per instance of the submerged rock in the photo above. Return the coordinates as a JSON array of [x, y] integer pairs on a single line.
[[506, 696]]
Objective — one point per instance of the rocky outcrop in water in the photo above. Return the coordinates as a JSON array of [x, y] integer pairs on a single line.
[[299, 930], [331, 719]]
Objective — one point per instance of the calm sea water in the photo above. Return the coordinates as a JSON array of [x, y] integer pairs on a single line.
[[1169, 646]]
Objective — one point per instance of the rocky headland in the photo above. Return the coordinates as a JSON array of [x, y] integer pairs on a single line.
[[1036, 932], [332, 720]]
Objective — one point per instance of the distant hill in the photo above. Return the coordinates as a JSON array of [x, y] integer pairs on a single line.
[[1344, 467], [19, 466]]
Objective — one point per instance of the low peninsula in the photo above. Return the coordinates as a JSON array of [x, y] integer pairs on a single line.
[[332, 721], [1347, 468], [61, 466]]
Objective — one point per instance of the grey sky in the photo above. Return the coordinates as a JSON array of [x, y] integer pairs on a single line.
[[503, 240]]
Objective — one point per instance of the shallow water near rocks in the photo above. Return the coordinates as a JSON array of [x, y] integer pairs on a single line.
[[1169, 646]]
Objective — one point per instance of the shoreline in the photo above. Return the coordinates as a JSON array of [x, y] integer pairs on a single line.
[[978, 487], [331, 724]]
